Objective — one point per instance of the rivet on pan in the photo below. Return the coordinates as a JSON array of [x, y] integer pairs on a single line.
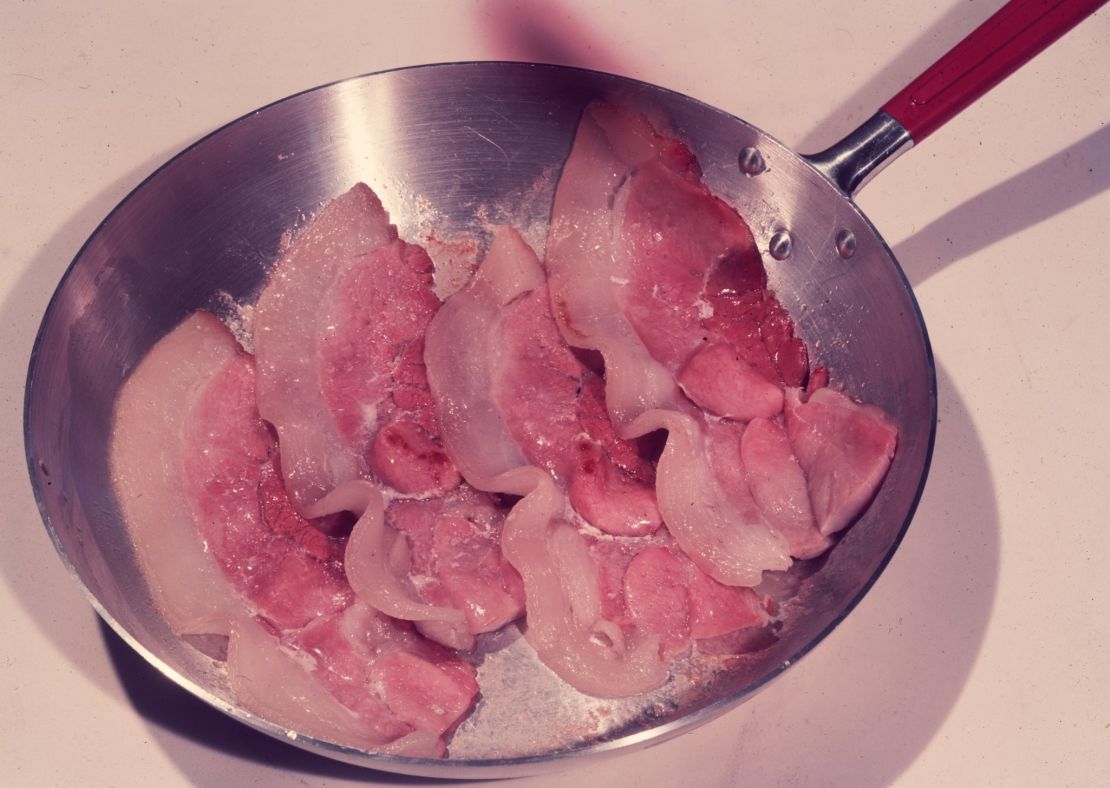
[[781, 245], [751, 161], [845, 243]]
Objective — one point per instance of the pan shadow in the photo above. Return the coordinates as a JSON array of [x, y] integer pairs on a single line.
[[182, 724], [1075, 174], [924, 50], [862, 707]]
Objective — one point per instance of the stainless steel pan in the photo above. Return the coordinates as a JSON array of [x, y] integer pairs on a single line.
[[449, 148]]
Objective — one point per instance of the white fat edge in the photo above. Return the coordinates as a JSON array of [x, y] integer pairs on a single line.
[[369, 414], [238, 317], [420, 582]]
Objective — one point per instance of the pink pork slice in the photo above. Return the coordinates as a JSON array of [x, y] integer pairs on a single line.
[[696, 277], [778, 486], [656, 588], [454, 559], [276, 566], [845, 449], [340, 333], [636, 247], [555, 408], [337, 332], [147, 444]]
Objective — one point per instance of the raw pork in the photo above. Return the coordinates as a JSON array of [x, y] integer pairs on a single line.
[[269, 579], [636, 247], [339, 332], [464, 353], [147, 446], [845, 449]]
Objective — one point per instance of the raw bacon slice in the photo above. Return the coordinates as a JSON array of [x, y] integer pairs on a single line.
[[148, 439], [289, 571], [454, 552], [272, 577], [336, 332], [546, 400], [716, 378], [667, 594], [272, 681], [393, 679], [449, 578], [596, 245], [288, 330], [564, 624], [778, 486], [845, 449]]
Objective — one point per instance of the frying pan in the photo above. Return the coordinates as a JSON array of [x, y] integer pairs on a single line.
[[451, 148]]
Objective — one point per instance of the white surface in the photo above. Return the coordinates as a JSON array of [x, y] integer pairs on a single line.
[[981, 657]]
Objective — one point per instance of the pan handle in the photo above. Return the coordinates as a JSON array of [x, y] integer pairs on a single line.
[[1012, 37]]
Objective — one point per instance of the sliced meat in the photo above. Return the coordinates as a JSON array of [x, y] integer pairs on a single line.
[[719, 380], [464, 355], [147, 444], [498, 338], [395, 681], [778, 486], [337, 332], [845, 449], [454, 558], [566, 624], [634, 239], [434, 561], [663, 593], [288, 329], [289, 570], [658, 599], [271, 681]]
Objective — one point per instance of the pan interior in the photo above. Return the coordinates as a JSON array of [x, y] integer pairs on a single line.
[[452, 150]]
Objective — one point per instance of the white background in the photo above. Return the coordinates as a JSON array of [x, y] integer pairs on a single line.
[[982, 656]]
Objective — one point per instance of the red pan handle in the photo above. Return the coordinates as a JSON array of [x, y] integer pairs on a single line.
[[1005, 42]]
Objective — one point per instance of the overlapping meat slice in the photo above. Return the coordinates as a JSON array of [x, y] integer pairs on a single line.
[[209, 453], [637, 250], [339, 331], [845, 449], [554, 403], [465, 354], [655, 587], [290, 572], [778, 486], [148, 438], [437, 562]]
